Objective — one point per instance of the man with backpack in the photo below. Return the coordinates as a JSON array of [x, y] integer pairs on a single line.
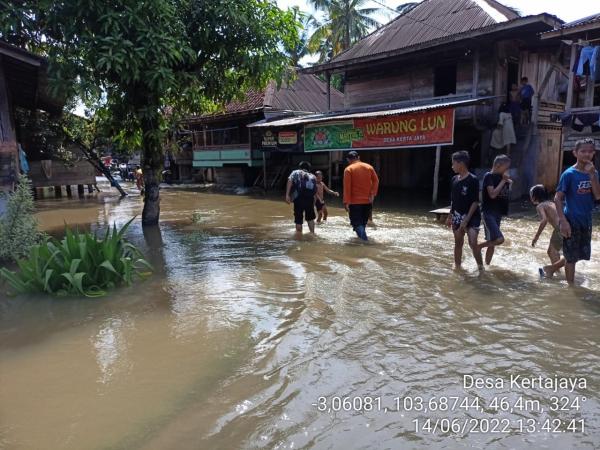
[[301, 189]]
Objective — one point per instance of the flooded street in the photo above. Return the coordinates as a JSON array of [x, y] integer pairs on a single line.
[[242, 329]]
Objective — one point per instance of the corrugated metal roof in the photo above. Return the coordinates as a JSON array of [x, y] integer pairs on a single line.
[[583, 21], [428, 21], [307, 93], [317, 118], [575, 27]]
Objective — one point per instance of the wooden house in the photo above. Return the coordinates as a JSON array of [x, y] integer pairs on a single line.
[[460, 58], [23, 84], [220, 143], [582, 115]]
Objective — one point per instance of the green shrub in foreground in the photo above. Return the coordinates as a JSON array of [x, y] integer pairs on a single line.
[[18, 226], [79, 264]]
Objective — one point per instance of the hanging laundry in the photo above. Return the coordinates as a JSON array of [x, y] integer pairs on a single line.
[[23, 160], [589, 62], [579, 121], [587, 120]]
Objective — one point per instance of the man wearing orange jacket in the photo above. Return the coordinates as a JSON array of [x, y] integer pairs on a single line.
[[360, 188]]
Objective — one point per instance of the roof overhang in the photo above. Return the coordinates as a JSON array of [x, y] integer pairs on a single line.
[[443, 102], [571, 31], [220, 117], [511, 25], [27, 79]]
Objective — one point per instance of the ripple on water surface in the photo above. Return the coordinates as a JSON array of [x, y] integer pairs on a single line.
[[243, 327]]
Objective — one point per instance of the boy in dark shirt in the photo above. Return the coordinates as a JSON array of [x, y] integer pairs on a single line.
[[494, 204], [464, 217], [577, 189]]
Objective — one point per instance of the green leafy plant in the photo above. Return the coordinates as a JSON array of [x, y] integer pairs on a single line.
[[79, 264], [18, 227]]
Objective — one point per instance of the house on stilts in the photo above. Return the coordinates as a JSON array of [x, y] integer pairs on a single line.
[[221, 148], [433, 81]]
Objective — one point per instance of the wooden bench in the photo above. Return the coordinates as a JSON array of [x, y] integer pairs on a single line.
[[441, 214]]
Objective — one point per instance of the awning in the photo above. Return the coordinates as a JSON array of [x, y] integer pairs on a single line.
[[366, 113]]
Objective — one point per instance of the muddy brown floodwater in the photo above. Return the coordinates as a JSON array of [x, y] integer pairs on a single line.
[[246, 338]]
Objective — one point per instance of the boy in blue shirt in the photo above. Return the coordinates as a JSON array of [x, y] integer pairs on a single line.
[[577, 189]]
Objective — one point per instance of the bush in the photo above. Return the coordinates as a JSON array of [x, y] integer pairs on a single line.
[[18, 226], [79, 264]]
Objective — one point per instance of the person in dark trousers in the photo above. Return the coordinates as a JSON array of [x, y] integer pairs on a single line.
[[301, 190], [360, 188], [577, 190], [464, 217], [494, 204], [526, 95]]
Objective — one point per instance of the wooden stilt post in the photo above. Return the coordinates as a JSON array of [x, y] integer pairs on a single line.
[[436, 173], [90, 189], [58, 191], [69, 193], [571, 89], [80, 190], [330, 170], [264, 158], [328, 75]]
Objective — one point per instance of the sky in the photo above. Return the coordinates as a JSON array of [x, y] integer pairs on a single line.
[[567, 10]]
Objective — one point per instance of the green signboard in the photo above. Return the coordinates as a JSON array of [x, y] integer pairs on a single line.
[[330, 136]]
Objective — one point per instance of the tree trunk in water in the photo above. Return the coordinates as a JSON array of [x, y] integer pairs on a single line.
[[152, 160]]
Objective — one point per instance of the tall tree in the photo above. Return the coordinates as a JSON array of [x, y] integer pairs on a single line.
[[344, 23], [305, 22], [138, 59], [406, 7]]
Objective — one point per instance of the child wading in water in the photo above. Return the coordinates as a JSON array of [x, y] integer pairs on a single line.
[[320, 197], [464, 217], [546, 210], [577, 189], [494, 205]]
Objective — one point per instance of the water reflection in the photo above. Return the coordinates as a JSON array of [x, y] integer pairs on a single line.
[[242, 328], [110, 344]]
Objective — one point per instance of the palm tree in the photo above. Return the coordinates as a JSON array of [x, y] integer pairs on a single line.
[[406, 7], [305, 22], [345, 22]]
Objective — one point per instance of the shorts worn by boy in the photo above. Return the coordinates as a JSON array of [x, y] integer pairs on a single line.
[[579, 203]]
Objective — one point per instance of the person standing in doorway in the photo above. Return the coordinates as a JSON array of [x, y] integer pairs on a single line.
[[301, 190], [360, 188], [577, 189], [526, 95]]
